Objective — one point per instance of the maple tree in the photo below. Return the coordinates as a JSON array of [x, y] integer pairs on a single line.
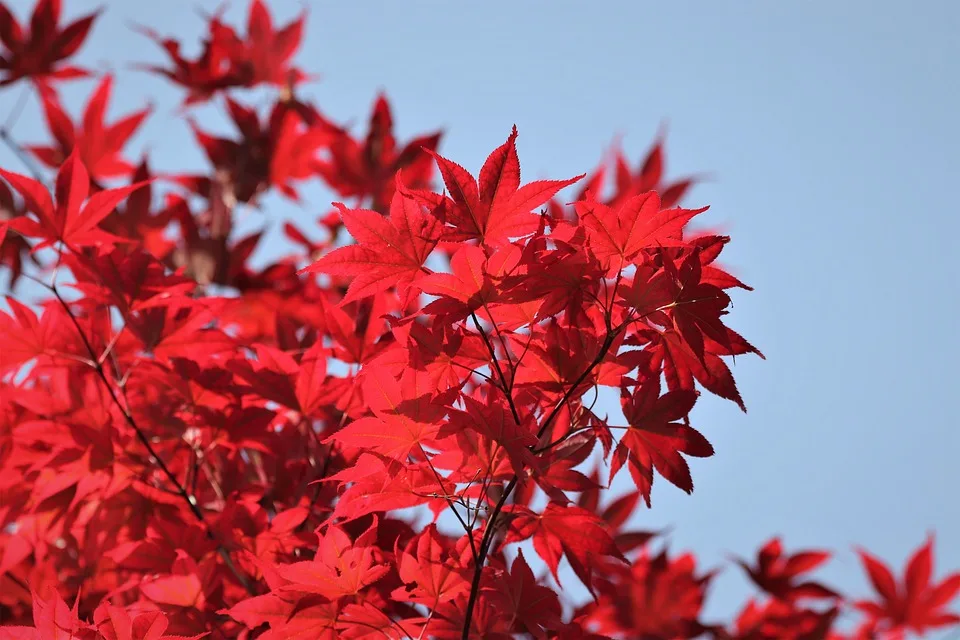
[[357, 439]]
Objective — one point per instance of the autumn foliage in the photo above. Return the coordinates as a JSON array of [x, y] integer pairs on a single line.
[[390, 432]]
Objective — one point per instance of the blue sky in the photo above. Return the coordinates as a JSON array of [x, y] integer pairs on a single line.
[[830, 136]]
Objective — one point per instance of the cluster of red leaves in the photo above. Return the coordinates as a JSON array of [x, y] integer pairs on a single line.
[[353, 441]]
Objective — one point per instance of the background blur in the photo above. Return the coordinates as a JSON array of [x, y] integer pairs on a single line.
[[829, 133]]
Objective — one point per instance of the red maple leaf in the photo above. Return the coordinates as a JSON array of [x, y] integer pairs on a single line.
[[656, 439], [777, 573], [379, 484], [53, 619], [668, 353], [273, 153], [341, 567], [390, 251], [229, 60], [468, 288], [564, 531], [202, 77], [697, 307], [648, 176], [355, 327], [38, 52], [405, 417], [100, 145], [264, 55], [495, 207], [918, 605], [619, 234], [367, 169], [533, 607], [69, 220], [444, 352], [432, 572], [661, 598]]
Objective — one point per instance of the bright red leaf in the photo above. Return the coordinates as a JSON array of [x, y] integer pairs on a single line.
[[494, 207], [73, 219]]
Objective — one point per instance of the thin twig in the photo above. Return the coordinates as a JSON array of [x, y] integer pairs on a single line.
[[491, 527], [468, 529], [496, 366], [14, 114], [145, 441], [32, 167]]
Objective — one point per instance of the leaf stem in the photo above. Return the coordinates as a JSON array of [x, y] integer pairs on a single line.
[[496, 365]]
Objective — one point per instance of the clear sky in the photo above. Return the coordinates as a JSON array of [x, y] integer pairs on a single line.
[[829, 130]]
